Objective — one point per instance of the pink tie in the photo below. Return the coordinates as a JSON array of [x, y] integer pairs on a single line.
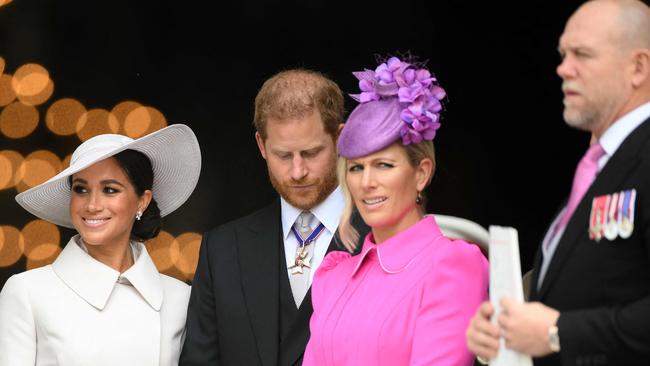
[[585, 174]]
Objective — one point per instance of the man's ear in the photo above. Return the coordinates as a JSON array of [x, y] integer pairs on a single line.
[[641, 70], [260, 144]]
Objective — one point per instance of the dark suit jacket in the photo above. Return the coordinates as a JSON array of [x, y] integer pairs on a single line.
[[234, 306], [602, 289]]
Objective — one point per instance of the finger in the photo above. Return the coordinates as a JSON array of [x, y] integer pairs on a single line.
[[488, 341], [482, 333], [487, 327], [486, 309], [484, 352]]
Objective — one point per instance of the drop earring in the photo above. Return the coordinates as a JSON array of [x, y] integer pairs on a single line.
[[138, 215]]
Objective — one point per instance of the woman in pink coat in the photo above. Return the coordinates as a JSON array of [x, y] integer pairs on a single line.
[[407, 298]]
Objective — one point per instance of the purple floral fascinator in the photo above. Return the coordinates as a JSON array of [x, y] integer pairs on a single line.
[[397, 100]]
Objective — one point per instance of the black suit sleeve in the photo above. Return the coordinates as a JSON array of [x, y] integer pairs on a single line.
[[201, 346]]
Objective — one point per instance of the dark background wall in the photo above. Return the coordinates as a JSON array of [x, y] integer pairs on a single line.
[[505, 156]]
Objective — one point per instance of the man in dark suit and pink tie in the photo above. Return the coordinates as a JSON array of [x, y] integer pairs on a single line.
[[590, 288]]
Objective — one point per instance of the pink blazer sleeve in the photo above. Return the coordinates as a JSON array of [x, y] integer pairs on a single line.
[[450, 298]]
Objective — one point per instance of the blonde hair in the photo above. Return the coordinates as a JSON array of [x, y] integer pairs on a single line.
[[348, 235]]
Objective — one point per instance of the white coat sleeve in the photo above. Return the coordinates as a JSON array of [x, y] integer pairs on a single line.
[[17, 328]]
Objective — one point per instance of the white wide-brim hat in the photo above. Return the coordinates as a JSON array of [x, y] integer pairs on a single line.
[[175, 157]]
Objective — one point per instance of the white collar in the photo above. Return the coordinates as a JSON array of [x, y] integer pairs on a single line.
[[621, 129], [327, 212], [94, 281]]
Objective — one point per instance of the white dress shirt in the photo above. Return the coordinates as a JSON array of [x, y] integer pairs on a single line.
[[80, 312], [328, 213], [610, 141]]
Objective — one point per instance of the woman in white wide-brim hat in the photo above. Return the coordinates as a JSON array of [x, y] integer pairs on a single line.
[[102, 301]]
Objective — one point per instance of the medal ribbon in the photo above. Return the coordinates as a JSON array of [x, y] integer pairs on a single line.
[[626, 204], [312, 237]]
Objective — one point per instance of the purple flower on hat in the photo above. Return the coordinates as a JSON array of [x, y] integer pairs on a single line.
[[367, 91], [417, 91], [367, 85], [408, 94], [385, 73]]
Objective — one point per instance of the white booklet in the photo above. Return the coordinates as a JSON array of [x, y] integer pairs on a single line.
[[505, 280]]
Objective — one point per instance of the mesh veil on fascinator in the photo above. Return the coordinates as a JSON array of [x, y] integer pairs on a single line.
[[398, 100]]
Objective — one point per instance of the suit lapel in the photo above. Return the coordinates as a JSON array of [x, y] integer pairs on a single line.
[[619, 166], [537, 265], [539, 258], [259, 256]]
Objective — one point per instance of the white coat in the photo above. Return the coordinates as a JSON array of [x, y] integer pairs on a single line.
[[80, 312]]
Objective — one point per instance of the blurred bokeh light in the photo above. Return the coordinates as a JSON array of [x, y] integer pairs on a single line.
[[32, 84], [188, 244], [38, 167], [63, 116], [66, 161], [43, 255], [37, 233], [122, 110], [10, 173], [142, 121], [18, 120], [12, 245], [7, 94], [163, 251], [96, 122]]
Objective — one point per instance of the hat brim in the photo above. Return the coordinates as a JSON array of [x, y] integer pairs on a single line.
[[176, 160]]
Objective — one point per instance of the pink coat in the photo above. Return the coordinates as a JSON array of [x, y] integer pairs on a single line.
[[407, 301]]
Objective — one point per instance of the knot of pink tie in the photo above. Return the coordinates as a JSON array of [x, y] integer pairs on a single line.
[[585, 174]]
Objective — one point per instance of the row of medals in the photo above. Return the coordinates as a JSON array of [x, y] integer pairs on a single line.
[[612, 215]]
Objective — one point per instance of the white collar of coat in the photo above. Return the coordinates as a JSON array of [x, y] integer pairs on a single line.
[[94, 281]]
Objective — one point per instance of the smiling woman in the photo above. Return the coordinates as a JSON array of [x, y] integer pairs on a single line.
[[104, 200], [102, 301]]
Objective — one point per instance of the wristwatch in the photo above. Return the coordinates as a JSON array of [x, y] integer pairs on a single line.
[[553, 339]]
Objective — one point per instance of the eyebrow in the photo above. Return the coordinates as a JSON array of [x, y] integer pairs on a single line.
[[103, 182], [313, 150], [575, 48], [379, 158], [306, 151]]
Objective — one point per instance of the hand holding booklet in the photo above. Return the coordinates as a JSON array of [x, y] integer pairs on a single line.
[[505, 281]]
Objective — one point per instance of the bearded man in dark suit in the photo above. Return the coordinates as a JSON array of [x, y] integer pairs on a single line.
[[250, 301]]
